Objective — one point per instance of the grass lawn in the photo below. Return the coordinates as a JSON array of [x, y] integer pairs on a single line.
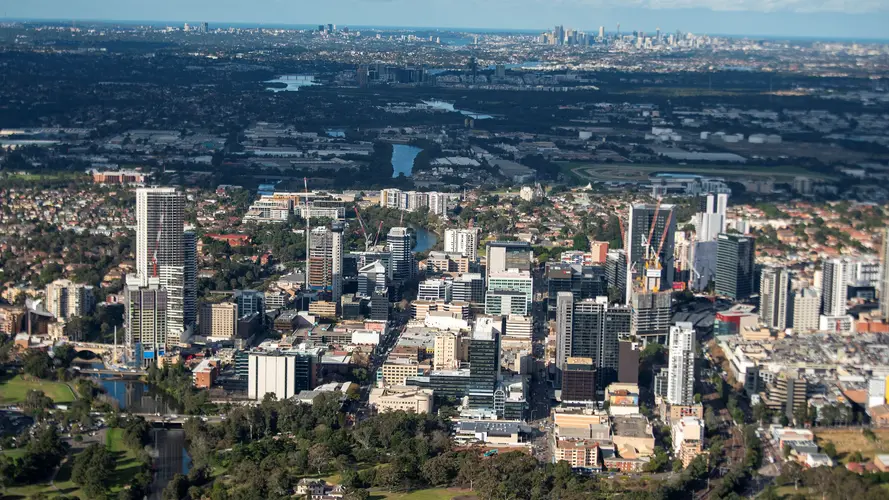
[[128, 464], [13, 390], [850, 440], [430, 494], [125, 469], [13, 453]]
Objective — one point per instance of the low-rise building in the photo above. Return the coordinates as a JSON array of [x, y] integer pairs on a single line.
[[403, 398]]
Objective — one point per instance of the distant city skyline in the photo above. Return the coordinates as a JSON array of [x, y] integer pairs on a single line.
[[791, 18]]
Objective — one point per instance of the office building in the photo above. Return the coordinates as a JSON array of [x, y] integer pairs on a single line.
[[434, 289], [65, 299], [506, 302], [628, 362], [403, 265], [463, 241], [651, 313], [786, 392], [282, 373], [503, 256], [710, 222], [443, 262], [578, 380], [884, 274], [681, 368], [648, 226], [590, 329], [834, 282], [735, 255], [484, 363], [616, 271], [363, 259], [449, 351], [326, 261], [408, 399], [219, 321], [469, 288], [372, 278], [249, 302], [806, 305], [584, 282], [775, 304], [165, 252], [520, 282], [379, 307], [519, 327], [146, 308]]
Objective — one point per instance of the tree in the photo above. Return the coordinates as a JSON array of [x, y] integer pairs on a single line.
[[38, 364], [856, 457], [319, 457], [36, 403], [581, 242], [92, 470], [63, 354], [176, 488]]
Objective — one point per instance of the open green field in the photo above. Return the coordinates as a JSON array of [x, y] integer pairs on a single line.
[[46, 176], [632, 172], [430, 494], [13, 390]]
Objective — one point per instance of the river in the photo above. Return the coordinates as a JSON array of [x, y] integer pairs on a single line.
[[425, 239], [403, 159], [168, 445], [293, 82]]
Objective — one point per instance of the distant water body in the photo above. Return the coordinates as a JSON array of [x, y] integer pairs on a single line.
[[403, 159]]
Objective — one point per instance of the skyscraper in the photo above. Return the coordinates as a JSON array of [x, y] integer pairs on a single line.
[[834, 283], [462, 241], [590, 328], [735, 256], [884, 271], [146, 307], [681, 369], [326, 260], [710, 222], [806, 304], [775, 304], [648, 226], [403, 265], [484, 363], [164, 251]]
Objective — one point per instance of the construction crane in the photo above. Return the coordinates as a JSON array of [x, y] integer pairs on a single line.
[[379, 230], [657, 256], [367, 237], [657, 209]]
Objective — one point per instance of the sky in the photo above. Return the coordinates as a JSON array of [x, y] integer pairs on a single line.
[[793, 18]]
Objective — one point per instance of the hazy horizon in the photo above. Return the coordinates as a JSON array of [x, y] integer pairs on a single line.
[[866, 19]]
